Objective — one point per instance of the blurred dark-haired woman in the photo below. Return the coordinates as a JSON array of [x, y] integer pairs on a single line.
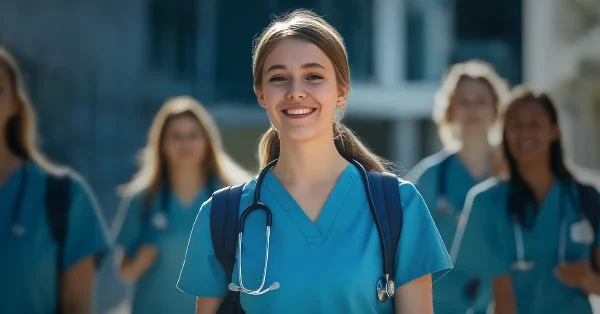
[[536, 233]]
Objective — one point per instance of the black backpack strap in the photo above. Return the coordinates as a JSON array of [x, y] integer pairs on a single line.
[[58, 198], [386, 198], [590, 205], [224, 214]]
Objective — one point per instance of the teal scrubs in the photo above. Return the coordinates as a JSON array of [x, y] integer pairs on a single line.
[[449, 293], [487, 229], [156, 291], [330, 266], [29, 264]]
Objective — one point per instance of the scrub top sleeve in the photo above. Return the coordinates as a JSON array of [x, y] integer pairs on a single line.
[[421, 250], [202, 275], [483, 237], [87, 234], [128, 225]]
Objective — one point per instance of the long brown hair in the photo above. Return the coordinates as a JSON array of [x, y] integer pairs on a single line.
[[21, 129], [217, 163], [308, 26], [476, 70]]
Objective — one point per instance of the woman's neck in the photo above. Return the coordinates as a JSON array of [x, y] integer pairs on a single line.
[[309, 162], [539, 177], [186, 182], [476, 155]]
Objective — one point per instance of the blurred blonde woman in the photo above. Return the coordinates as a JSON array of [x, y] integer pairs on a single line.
[[52, 232], [466, 112], [182, 164]]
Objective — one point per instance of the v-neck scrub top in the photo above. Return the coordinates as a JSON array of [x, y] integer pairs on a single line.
[[449, 293], [330, 266], [486, 228], [156, 291], [28, 264]]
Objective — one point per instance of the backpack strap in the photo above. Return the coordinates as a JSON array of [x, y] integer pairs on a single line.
[[386, 198], [590, 205], [58, 197], [224, 214]]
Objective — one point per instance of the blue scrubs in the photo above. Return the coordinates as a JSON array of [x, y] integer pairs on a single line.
[[487, 229], [449, 294], [156, 291], [28, 267], [330, 266]]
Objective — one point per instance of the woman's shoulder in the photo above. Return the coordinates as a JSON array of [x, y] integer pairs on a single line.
[[428, 166]]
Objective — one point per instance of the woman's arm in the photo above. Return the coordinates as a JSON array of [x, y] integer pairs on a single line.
[[208, 305], [414, 297], [504, 296], [77, 288], [133, 267]]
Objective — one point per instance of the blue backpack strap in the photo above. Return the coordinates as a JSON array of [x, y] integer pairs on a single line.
[[590, 205], [386, 196], [58, 197], [224, 214]]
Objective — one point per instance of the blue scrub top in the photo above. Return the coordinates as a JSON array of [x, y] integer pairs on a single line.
[[28, 265], [449, 293], [486, 228], [156, 291], [330, 266]]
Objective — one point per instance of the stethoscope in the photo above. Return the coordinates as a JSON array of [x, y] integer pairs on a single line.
[[385, 285], [521, 264], [16, 227]]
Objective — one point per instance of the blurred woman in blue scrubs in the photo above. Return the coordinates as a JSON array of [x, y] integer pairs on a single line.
[[529, 231], [466, 113], [38, 274], [324, 249], [183, 163]]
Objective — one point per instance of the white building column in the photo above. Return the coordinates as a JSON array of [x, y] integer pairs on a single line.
[[390, 54], [388, 32]]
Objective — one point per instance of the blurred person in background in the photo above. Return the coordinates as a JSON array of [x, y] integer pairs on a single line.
[[324, 249], [536, 233], [182, 164], [52, 234], [466, 113]]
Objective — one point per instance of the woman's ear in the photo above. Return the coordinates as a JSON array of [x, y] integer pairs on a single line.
[[260, 97], [343, 96]]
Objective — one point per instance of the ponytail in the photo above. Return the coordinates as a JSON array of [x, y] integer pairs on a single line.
[[346, 142]]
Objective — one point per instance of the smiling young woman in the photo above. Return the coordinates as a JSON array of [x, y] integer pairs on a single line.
[[325, 252]]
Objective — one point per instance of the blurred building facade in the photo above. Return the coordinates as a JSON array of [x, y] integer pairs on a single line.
[[99, 70]]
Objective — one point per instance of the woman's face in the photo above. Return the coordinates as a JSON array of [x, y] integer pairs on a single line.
[[299, 90], [8, 106], [184, 142], [529, 132], [473, 106]]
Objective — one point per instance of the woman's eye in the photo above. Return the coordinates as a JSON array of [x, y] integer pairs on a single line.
[[277, 79], [313, 77]]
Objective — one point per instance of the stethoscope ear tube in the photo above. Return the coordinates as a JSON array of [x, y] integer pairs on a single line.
[[249, 210]]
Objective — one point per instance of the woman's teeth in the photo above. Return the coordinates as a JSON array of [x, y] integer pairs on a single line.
[[299, 111]]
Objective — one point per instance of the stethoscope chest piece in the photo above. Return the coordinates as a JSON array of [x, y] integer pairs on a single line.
[[159, 220], [18, 230], [386, 288], [444, 207]]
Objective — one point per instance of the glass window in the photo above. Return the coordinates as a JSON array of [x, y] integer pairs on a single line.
[[173, 32], [236, 30]]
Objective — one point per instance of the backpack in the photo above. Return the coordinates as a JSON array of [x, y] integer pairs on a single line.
[[224, 226], [590, 205], [58, 197]]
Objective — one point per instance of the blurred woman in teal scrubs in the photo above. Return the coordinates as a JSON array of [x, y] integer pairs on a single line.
[[466, 114], [530, 231], [41, 272], [182, 165], [324, 249]]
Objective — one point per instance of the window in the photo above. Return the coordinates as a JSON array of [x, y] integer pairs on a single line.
[[173, 36], [237, 28]]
